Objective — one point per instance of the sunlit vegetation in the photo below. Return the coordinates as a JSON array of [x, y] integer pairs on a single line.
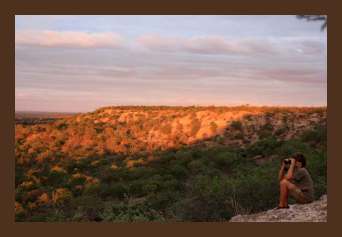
[[127, 164]]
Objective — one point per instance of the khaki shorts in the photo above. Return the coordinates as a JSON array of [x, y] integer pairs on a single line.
[[299, 196]]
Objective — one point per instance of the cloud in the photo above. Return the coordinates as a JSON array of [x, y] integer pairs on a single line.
[[157, 42], [68, 39], [167, 60], [206, 44], [311, 47], [128, 67], [219, 45], [291, 75]]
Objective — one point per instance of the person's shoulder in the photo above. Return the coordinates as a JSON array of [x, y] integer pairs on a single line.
[[304, 170], [301, 171]]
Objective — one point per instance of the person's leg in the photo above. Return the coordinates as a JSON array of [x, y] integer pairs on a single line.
[[283, 193], [297, 194], [286, 188]]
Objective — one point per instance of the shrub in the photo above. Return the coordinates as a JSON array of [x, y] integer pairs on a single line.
[[77, 179], [225, 158], [114, 190], [183, 156], [61, 196], [141, 172], [237, 125], [19, 212], [265, 131], [166, 129], [239, 136], [281, 131], [196, 125], [149, 187], [263, 147], [197, 166], [55, 216], [290, 147], [92, 188], [130, 212], [219, 139], [57, 179], [61, 125], [178, 171], [19, 175], [213, 127], [87, 208], [179, 127], [317, 167], [258, 189], [205, 200], [316, 136], [171, 184], [162, 200]]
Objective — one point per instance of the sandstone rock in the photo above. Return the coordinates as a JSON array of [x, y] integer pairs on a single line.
[[312, 212]]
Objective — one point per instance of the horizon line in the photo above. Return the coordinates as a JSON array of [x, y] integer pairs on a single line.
[[184, 106]]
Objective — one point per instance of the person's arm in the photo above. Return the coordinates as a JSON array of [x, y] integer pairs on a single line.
[[289, 174], [281, 171]]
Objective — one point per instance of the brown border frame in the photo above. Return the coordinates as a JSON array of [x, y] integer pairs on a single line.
[[33, 7]]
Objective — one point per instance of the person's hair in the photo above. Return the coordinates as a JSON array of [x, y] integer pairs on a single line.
[[300, 158]]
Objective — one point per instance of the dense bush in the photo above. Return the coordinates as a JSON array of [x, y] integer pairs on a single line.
[[204, 200], [264, 147], [316, 136], [237, 125]]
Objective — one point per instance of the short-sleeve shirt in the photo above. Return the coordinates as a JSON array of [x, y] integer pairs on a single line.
[[302, 179]]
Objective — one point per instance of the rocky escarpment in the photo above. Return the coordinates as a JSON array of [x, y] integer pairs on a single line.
[[137, 130], [312, 212]]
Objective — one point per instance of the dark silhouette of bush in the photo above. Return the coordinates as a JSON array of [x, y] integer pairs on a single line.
[[114, 190], [316, 136], [265, 131], [205, 200], [263, 147], [237, 125]]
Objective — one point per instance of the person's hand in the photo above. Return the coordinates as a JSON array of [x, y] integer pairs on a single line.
[[282, 165], [293, 160]]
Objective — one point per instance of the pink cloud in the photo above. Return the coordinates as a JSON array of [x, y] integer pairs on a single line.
[[157, 42], [303, 75], [68, 39]]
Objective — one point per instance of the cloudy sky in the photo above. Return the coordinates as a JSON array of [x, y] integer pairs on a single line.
[[80, 63]]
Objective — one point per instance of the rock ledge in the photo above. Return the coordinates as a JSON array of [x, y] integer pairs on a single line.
[[312, 212]]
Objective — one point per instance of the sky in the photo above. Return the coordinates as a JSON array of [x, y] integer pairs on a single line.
[[80, 63]]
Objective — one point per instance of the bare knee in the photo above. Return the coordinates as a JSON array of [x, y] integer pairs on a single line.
[[284, 182]]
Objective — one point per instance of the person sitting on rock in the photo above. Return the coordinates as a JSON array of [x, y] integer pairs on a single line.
[[295, 180]]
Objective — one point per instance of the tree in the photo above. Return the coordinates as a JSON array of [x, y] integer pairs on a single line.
[[323, 18]]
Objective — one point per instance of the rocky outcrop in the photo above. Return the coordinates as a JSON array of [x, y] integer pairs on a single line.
[[312, 212]]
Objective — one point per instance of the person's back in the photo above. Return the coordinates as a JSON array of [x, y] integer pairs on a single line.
[[302, 179]]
